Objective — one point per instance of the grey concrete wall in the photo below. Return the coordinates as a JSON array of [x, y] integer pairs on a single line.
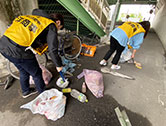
[[159, 23], [4, 20], [9, 9], [28, 5]]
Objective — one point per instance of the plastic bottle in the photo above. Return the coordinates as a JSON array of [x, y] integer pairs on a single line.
[[83, 87], [78, 95]]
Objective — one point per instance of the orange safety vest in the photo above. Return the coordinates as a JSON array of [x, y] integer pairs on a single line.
[[25, 29], [131, 28]]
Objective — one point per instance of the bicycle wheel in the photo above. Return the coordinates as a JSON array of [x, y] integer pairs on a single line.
[[74, 47], [13, 71]]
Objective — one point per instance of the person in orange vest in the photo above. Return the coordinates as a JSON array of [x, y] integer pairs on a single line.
[[128, 32], [26, 36]]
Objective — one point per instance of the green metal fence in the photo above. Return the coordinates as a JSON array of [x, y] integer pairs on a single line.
[[70, 21]]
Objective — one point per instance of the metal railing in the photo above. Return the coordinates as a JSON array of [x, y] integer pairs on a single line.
[[98, 9]]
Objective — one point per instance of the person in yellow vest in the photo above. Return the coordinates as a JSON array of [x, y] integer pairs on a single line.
[[26, 36], [119, 37]]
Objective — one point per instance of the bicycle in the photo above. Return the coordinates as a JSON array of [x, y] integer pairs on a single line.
[[69, 46]]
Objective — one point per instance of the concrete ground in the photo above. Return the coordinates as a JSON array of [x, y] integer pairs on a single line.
[[139, 97]]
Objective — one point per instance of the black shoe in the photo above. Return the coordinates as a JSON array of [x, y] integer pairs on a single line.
[[31, 92]]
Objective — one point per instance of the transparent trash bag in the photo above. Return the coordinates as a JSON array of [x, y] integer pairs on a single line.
[[50, 103], [126, 56]]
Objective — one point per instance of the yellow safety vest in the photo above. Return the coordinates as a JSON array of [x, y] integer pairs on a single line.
[[131, 28], [25, 29]]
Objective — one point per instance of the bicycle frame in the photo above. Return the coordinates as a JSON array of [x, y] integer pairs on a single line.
[[67, 43]]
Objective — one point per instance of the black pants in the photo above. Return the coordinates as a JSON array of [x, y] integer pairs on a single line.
[[114, 46], [26, 68]]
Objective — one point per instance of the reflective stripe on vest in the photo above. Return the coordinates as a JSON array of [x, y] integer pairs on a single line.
[[25, 29], [131, 28]]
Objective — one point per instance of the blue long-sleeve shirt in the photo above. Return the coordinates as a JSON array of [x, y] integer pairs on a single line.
[[122, 38]]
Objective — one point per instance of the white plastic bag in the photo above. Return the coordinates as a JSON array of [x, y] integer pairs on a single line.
[[60, 83], [126, 55], [50, 103], [46, 74], [94, 81]]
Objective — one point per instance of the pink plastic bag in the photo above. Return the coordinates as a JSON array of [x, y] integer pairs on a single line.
[[94, 81], [47, 75]]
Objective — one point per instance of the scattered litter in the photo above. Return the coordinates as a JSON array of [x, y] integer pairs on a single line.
[[68, 65], [88, 50], [107, 70], [62, 84], [2, 83], [78, 95], [66, 90], [126, 56], [94, 81], [46, 74], [50, 103], [83, 87], [122, 117], [8, 82], [137, 65]]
